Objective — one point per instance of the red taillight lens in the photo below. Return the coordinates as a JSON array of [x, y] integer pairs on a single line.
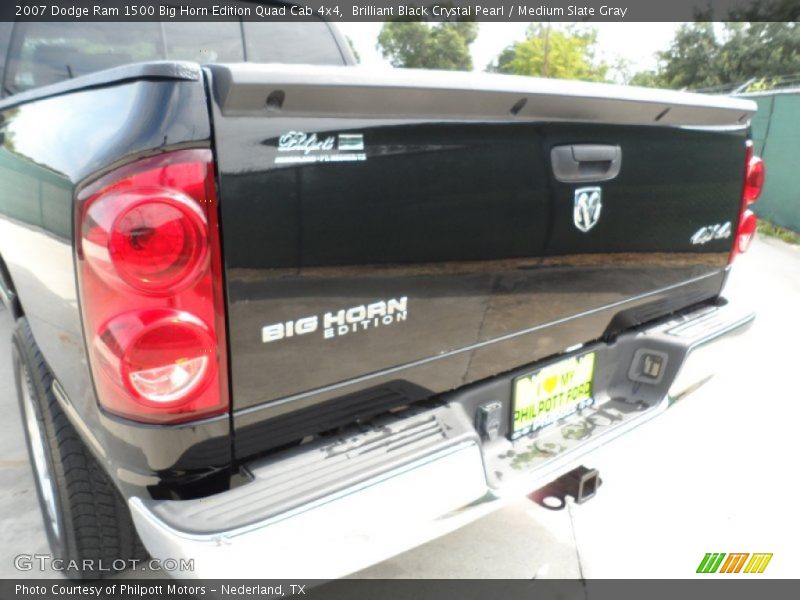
[[150, 275], [754, 173], [150, 239], [747, 231], [754, 179], [162, 357]]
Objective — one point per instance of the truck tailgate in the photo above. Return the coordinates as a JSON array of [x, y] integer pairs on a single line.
[[388, 238]]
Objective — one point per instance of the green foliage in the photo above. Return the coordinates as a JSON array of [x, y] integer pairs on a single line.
[[760, 85], [782, 11], [416, 45], [562, 53], [787, 235], [760, 50], [703, 56], [689, 61], [645, 79]]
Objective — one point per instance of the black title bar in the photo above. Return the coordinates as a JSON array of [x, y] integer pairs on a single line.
[[386, 10], [402, 589]]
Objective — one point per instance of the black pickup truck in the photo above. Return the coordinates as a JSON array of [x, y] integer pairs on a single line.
[[285, 316]]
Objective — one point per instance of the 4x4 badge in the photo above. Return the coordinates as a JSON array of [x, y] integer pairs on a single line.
[[586, 212]]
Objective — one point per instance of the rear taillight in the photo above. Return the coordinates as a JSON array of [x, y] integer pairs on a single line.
[[754, 175], [150, 275], [751, 190]]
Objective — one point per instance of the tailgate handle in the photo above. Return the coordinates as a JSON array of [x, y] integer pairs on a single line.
[[586, 162]]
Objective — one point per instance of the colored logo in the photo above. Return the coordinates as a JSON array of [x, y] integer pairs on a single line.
[[741, 562]]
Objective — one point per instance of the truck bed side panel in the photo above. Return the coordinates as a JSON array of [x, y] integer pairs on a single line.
[[50, 146]]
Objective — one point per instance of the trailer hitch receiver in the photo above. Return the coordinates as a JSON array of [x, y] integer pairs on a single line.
[[581, 483]]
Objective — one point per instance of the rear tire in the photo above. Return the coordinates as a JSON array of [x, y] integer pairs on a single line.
[[85, 517]]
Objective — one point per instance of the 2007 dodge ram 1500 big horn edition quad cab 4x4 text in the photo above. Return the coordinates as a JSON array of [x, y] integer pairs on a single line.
[[288, 317]]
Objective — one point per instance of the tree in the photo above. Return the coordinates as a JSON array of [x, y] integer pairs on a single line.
[[416, 45], [781, 11], [759, 50], [690, 58], [563, 53], [703, 55], [645, 79]]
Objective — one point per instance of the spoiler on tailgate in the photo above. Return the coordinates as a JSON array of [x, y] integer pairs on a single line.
[[305, 90]]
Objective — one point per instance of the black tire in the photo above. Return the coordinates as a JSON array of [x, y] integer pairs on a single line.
[[84, 514]]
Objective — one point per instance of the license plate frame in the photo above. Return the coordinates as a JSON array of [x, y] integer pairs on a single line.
[[550, 393]]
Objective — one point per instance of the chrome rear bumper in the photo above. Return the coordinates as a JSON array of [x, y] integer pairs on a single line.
[[328, 509]]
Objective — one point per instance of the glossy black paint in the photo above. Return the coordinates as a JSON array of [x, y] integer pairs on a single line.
[[463, 218], [468, 222], [50, 147]]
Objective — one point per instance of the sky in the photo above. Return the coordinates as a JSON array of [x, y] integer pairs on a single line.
[[637, 43]]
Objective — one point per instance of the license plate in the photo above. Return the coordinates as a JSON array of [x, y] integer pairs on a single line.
[[552, 393]]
